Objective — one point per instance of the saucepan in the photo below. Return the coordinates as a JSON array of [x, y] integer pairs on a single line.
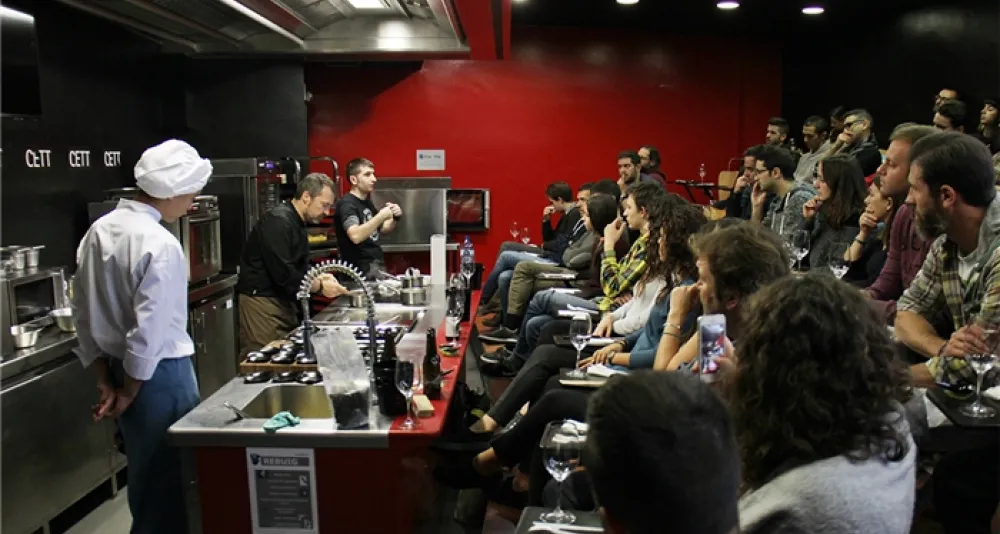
[[25, 336], [358, 298], [412, 279], [413, 297], [64, 319]]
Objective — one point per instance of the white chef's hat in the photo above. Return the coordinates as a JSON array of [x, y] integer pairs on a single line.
[[170, 169]]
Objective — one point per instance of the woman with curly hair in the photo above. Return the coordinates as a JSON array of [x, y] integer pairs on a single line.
[[816, 395]]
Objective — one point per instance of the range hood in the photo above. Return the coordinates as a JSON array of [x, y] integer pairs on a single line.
[[309, 28]]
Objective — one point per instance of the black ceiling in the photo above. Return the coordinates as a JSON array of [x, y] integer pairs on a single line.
[[753, 18]]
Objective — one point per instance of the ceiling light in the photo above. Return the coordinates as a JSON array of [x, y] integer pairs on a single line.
[[367, 4], [628, 2], [727, 4], [13, 14], [813, 10]]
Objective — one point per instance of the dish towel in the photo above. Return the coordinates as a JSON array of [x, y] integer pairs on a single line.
[[280, 420]]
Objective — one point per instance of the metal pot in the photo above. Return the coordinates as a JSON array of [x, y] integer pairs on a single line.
[[358, 299], [17, 256], [24, 336], [64, 319], [32, 255], [413, 297], [412, 279]]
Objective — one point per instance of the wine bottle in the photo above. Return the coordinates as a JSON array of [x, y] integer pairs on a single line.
[[432, 367]]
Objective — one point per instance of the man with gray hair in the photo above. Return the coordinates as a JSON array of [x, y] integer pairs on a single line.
[[274, 262]]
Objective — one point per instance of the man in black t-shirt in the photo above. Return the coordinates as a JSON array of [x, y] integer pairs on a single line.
[[357, 222]]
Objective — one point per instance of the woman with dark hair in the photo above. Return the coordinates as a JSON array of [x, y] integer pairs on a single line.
[[868, 251], [837, 117], [819, 421], [831, 217]]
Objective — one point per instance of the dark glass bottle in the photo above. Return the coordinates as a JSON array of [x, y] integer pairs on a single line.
[[432, 367], [391, 402]]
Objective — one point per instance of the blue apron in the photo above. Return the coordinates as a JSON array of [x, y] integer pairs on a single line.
[[155, 483]]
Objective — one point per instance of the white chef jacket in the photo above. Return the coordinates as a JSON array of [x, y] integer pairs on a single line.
[[130, 291]]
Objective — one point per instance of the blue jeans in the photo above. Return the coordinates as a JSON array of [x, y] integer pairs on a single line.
[[506, 261], [155, 484], [543, 308]]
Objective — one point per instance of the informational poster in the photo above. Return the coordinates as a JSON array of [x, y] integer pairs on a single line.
[[430, 159], [282, 491]]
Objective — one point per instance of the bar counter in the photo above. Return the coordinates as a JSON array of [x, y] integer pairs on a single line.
[[373, 480]]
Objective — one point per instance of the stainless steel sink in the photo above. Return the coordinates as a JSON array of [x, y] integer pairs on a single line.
[[307, 402]]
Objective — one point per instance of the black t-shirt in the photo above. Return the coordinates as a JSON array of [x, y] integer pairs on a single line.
[[349, 211], [276, 255]]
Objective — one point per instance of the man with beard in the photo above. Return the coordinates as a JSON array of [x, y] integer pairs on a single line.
[[649, 157], [630, 171], [858, 140], [952, 186], [814, 139], [275, 259]]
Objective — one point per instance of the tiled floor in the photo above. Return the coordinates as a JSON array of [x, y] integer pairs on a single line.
[[112, 517]]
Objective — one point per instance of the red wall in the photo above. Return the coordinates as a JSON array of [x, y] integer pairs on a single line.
[[560, 109]]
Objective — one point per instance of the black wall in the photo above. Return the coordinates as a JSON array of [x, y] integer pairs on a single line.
[[894, 63], [104, 88]]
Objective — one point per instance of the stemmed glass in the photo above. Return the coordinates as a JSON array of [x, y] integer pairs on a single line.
[[515, 230], [562, 444], [525, 238], [982, 364], [798, 242], [838, 265], [406, 378], [579, 334]]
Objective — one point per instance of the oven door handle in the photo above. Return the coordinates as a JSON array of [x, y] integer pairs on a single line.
[[197, 219]]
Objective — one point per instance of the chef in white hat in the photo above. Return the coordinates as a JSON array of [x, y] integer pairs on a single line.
[[130, 309]]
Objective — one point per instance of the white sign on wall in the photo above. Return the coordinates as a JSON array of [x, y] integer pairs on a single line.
[[282, 491], [430, 159]]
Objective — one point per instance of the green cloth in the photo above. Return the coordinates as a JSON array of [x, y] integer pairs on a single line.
[[280, 420]]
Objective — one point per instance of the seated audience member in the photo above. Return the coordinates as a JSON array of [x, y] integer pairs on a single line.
[[733, 262], [660, 450], [774, 176], [868, 250], [555, 240], [858, 140], [617, 278], [649, 158], [837, 116], [831, 217], [907, 249], [816, 142], [630, 171], [672, 264], [585, 266], [816, 392], [777, 133], [944, 95], [738, 205], [989, 118], [952, 187], [950, 116]]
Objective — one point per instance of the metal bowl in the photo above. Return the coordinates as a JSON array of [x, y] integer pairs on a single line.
[[309, 377], [64, 319], [257, 377], [258, 357], [24, 336]]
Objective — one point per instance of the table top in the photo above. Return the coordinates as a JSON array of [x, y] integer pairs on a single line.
[[583, 519], [950, 407]]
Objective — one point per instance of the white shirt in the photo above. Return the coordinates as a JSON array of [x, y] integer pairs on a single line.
[[130, 291], [632, 315]]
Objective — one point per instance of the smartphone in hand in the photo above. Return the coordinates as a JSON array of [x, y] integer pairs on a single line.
[[711, 345]]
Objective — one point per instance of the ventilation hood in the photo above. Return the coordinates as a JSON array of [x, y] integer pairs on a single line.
[[320, 28]]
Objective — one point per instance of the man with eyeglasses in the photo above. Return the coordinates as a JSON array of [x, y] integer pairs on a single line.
[[274, 262], [858, 140], [944, 95], [738, 204]]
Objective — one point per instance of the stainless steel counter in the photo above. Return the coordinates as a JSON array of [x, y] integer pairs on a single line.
[[212, 425], [52, 345], [416, 247]]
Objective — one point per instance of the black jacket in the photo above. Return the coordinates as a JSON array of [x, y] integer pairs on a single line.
[[556, 240], [276, 255]]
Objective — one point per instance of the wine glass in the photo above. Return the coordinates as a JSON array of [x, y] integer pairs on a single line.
[[982, 364], [562, 444], [515, 230], [799, 242], [406, 376], [525, 238], [579, 334], [838, 265]]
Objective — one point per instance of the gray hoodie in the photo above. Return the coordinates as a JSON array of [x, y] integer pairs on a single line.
[[784, 216]]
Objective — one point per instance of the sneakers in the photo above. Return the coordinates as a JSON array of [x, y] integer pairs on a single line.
[[508, 367], [501, 334], [494, 357], [492, 322]]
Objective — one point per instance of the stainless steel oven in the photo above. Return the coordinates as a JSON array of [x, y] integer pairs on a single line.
[[28, 295], [198, 232]]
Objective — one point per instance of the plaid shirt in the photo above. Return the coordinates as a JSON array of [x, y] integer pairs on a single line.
[[938, 286], [617, 277]]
